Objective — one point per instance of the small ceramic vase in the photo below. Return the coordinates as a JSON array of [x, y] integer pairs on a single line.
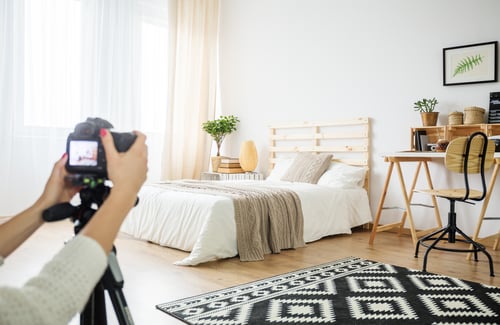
[[248, 156], [441, 145]]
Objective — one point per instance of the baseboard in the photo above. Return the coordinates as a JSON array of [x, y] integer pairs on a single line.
[[487, 241]]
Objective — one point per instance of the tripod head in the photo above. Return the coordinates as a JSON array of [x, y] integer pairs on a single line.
[[92, 194]]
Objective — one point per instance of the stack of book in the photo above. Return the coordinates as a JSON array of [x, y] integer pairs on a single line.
[[230, 166], [421, 140]]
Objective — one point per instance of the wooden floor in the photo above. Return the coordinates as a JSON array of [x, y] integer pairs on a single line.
[[151, 278]]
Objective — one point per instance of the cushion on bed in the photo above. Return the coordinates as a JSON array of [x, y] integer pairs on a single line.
[[307, 167], [345, 176]]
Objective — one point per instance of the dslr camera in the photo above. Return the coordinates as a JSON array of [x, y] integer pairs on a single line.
[[87, 167], [86, 156]]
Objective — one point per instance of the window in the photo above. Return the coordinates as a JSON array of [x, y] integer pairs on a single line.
[[60, 74], [52, 63], [154, 76]]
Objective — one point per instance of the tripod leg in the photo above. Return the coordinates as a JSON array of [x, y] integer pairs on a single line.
[[121, 308], [95, 309], [113, 283]]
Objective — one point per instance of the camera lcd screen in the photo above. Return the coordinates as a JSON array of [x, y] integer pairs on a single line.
[[82, 153]]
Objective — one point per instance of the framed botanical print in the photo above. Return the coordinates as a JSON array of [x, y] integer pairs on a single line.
[[468, 64]]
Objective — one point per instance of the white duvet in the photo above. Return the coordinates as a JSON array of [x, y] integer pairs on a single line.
[[204, 224]]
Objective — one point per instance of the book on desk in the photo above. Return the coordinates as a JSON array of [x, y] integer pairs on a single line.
[[421, 140]]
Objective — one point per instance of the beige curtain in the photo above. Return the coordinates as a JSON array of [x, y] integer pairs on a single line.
[[192, 87]]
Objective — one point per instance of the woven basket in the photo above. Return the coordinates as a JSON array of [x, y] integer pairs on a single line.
[[474, 115], [456, 118]]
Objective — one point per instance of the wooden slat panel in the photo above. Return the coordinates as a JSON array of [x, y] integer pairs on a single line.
[[355, 121], [323, 136], [350, 161], [348, 141], [319, 149]]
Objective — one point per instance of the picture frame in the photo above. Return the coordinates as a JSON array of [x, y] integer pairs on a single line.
[[470, 64]]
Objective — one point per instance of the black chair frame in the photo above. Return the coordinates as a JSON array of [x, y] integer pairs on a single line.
[[451, 228]]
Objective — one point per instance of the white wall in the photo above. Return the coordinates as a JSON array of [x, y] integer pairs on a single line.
[[309, 60]]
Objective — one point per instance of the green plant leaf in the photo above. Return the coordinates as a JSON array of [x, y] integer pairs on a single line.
[[219, 128], [467, 64], [425, 105]]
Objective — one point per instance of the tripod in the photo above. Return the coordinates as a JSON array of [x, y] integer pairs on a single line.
[[112, 280]]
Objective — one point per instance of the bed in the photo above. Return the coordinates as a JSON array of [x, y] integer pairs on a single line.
[[203, 217]]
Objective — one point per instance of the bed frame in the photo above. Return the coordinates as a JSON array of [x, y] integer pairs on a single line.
[[347, 140]]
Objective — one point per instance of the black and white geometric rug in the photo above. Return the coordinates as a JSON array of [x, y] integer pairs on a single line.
[[347, 291]]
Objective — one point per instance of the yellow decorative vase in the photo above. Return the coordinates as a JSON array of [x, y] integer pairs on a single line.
[[248, 156]]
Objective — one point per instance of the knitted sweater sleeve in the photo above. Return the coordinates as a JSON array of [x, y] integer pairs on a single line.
[[60, 290]]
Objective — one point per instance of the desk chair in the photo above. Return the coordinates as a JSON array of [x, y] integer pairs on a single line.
[[464, 155]]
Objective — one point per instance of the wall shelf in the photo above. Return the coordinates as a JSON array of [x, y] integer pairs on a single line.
[[450, 132]]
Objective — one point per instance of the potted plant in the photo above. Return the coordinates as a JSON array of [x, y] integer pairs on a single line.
[[218, 129], [426, 107]]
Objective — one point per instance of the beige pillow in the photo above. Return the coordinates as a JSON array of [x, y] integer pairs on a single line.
[[307, 168]]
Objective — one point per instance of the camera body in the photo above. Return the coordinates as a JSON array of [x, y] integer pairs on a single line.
[[86, 154]]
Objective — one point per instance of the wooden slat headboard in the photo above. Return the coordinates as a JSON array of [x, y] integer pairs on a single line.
[[347, 140]]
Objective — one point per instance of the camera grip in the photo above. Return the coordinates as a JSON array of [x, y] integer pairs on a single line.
[[123, 141]]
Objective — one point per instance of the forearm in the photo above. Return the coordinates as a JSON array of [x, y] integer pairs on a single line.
[[60, 290], [18, 228]]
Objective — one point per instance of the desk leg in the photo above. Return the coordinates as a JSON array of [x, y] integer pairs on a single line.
[[410, 195], [414, 233], [381, 203], [434, 201], [407, 202], [485, 206]]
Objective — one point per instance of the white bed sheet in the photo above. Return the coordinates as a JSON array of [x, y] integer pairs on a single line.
[[204, 224]]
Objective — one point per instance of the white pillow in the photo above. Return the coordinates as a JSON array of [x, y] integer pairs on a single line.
[[280, 167], [344, 176]]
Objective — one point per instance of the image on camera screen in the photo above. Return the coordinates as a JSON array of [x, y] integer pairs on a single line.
[[83, 153]]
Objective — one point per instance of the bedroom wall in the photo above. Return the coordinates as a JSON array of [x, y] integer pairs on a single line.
[[300, 60]]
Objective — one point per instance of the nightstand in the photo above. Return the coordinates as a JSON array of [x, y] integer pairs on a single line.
[[211, 176]]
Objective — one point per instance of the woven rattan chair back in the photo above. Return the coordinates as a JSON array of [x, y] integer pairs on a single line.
[[456, 150]]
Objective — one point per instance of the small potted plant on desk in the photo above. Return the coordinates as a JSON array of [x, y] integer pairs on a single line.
[[426, 108], [218, 129]]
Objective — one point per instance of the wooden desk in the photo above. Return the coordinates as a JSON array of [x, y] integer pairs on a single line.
[[422, 159], [395, 159]]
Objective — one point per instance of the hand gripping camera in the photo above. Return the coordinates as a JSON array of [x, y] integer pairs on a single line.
[[87, 167], [86, 155]]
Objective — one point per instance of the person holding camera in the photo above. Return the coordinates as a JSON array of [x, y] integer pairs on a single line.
[[63, 286]]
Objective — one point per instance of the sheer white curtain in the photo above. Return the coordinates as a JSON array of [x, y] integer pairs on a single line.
[[64, 60], [7, 41], [192, 92]]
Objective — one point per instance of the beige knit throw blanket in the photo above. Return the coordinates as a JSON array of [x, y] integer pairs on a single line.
[[267, 219]]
